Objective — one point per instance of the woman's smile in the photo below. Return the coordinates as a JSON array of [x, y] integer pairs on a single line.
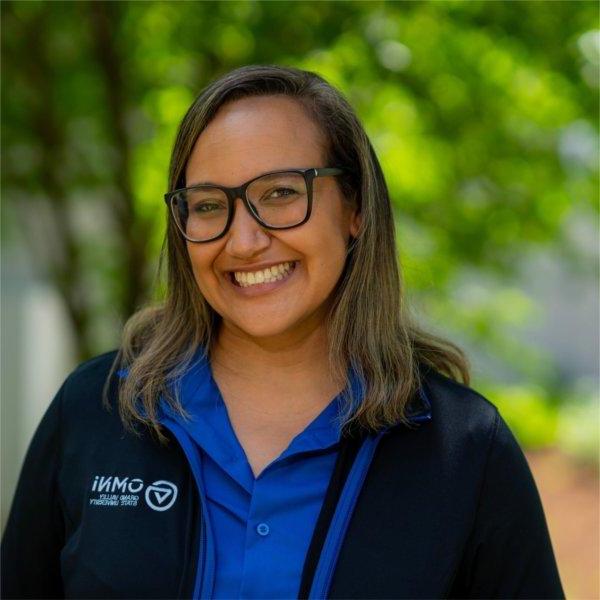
[[260, 279]]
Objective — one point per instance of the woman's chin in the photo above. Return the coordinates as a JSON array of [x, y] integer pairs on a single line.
[[282, 330], [261, 330]]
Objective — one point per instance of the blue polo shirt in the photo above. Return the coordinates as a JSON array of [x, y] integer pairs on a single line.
[[261, 526]]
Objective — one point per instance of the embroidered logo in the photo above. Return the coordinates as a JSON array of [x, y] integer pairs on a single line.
[[126, 491], [161, 495]]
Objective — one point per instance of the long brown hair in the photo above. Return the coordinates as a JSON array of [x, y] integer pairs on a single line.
[[369, 326]]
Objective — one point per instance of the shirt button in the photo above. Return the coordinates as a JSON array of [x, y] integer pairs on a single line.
[[262, 529]]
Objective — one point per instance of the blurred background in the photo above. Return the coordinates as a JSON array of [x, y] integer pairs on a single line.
[[484, 116]]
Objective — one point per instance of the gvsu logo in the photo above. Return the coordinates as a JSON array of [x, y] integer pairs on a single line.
[[161, 495], [126, 491]]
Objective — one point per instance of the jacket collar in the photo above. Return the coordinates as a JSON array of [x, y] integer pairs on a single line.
[[419, 408]]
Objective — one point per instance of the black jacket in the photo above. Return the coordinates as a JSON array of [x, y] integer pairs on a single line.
[[447, 509]]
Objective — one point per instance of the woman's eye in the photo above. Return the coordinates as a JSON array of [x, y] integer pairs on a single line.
[[281, 193], [207, 207]]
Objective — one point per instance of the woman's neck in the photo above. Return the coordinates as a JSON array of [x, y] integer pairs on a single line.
[[275, 377]]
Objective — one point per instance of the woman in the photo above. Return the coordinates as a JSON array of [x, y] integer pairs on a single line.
[[282, 430]]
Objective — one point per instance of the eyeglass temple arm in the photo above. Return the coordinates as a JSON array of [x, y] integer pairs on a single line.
[[328, 171]]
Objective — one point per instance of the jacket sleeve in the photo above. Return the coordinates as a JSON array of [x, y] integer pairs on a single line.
[[509, 554], [34, 532]]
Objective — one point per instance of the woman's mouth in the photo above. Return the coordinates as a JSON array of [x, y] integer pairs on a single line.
[[271, 274]]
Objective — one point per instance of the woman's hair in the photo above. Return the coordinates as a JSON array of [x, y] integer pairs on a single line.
[[369, 328]]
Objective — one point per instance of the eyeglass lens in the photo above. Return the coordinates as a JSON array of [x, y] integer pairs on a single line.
[[279, 200]]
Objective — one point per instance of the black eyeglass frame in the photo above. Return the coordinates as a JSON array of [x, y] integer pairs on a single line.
[[240, 192]]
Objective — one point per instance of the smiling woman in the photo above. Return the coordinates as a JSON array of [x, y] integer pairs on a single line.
[[290, 432]]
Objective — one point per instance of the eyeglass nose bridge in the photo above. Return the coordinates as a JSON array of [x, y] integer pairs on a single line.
[[240, 192]]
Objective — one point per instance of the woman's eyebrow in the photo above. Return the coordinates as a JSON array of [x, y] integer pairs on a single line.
[[281, 169], [194, 183]]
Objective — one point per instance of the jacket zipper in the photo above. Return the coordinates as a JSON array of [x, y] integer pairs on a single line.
[[341, 518], [203, 582]]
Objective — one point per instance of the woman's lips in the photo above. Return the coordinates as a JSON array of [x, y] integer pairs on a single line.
[[263, 279]]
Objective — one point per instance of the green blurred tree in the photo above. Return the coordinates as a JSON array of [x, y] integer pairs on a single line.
[[484, 115]]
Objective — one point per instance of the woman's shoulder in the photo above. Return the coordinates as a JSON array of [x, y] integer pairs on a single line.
[[454, 401], [460, 415], [82, 390], [77, 409], [465, 439], [90, 375], [94, 369]]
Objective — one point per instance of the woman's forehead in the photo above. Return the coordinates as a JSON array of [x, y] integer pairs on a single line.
[[255, 135], [258, 111]]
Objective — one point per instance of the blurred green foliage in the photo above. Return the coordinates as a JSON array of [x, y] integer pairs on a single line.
[[539, 419], [484, 115]]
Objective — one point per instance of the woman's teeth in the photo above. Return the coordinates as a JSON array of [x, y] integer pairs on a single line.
[[268, 275]]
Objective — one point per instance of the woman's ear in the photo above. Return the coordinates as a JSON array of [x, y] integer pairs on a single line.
[[355, 222]]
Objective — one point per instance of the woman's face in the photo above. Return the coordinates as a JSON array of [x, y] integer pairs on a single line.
[[247, 138]]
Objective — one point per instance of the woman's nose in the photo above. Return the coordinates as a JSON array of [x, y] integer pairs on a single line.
[[246, 237]]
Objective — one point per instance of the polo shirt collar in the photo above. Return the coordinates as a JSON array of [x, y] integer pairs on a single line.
[[211, 428]]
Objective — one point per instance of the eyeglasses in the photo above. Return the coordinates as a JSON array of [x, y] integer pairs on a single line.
[[276, 200]]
